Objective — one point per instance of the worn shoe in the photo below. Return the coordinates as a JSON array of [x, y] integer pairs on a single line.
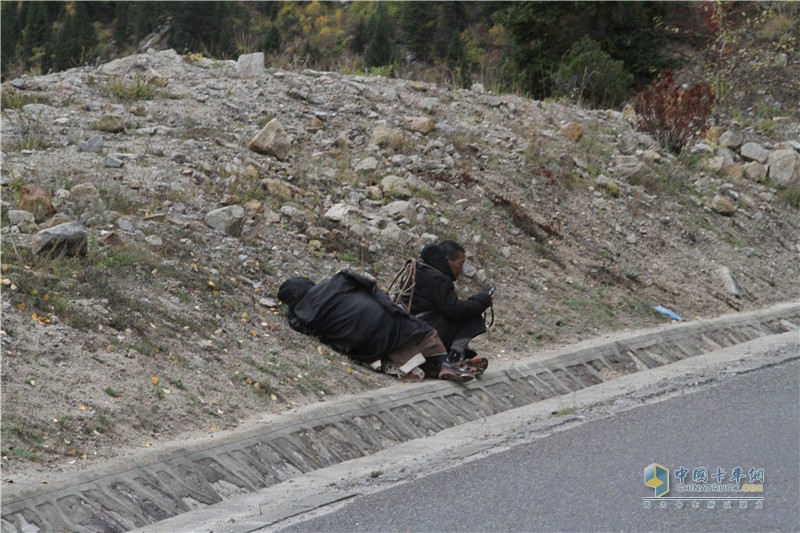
[[454, 372], [477, 365], [416, 374]]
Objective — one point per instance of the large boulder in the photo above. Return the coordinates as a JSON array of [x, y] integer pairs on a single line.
[[71, 239], [784, 166], [251, 65]]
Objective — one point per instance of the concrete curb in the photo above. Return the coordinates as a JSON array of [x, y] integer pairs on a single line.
[[121, 497]]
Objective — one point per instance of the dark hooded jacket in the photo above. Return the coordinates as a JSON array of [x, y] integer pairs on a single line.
[[435, 294], [350, 314]]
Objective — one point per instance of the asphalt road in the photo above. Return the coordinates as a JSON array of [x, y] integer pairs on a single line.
[[591, 477]]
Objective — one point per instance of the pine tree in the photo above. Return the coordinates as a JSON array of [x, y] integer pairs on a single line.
[[9, 33], [87, 35], [379, 52], [122, 24], [36, 37], [417, 25]]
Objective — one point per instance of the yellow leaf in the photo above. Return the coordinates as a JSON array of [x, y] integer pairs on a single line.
[[154, 379], [254, 333], [35, 292], [213, 428], [212, 284], [216, 294], [149, 444], [35, 316], [46, 296], [82, 408], [194, 267], [21, 307]]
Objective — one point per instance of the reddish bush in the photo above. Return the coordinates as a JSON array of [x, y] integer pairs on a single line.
[[674, 114]]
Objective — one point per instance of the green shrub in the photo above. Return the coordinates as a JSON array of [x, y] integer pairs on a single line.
[[674, 114], [138, 89], [589, 74]]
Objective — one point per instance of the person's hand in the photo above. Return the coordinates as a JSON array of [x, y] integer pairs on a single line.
[[484, 298]]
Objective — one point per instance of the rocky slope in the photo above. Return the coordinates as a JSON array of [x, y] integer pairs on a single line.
[[192, 188]]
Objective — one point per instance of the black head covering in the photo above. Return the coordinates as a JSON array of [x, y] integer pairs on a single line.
[[434, 256], [292, 290]]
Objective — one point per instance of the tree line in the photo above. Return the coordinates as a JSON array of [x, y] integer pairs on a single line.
[[598, 52]]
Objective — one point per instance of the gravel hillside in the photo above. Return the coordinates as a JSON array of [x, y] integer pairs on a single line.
[[152, 206]]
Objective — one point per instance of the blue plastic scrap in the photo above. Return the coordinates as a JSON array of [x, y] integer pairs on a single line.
[[671, 314]]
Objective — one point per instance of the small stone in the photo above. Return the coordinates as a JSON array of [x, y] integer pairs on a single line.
[[112, 162], [272, 140], [108, 124], [229, 219], [94, 145], [571, 131], [723, 205]]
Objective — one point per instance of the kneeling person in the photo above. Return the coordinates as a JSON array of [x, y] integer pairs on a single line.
[[349, 313]]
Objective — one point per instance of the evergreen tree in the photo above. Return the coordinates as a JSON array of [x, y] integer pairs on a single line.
[[36, 37], [67, 47], [9, 33], [87, 35], [417, 25], [380, 51], [122, 24]]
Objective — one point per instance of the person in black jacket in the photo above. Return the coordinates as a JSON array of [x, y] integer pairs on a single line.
[[434, 300], [349, 313]]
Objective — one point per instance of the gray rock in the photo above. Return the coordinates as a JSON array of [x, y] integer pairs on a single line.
[[339, 212], [154, 240], [729, 282], [393, 233], [754, 152], [728, 156], [399, 209], [784, 166], [754, 171], [112, 162], [35, 109], [94, 145], [731, 139], [229, 220], [86, 197], [396, 187], [250, 65], [478, 88], [109, 124], [632, 168], [701, 148], [23, 220], [367, 164], [71, 239], [272, 140]]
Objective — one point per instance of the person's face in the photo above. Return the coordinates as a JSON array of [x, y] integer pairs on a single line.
[[457, 264]]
